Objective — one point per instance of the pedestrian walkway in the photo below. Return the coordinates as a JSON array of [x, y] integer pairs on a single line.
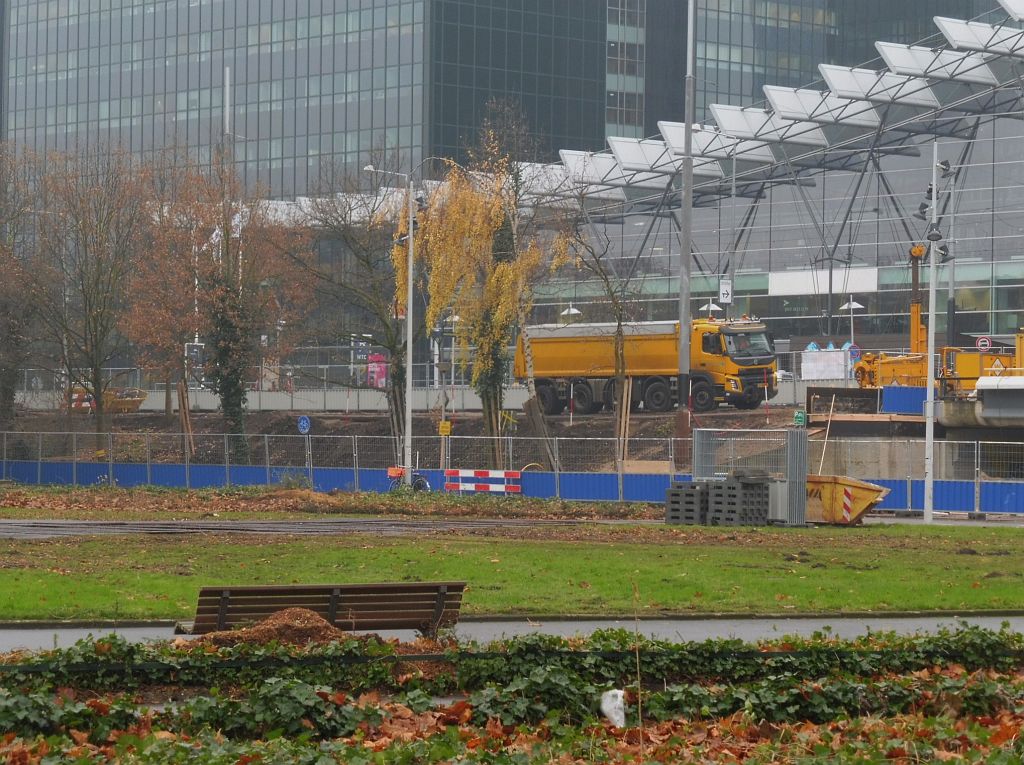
[[678, 630]]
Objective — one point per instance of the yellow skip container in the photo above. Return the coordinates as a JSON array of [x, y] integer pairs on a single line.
[[840, 500]]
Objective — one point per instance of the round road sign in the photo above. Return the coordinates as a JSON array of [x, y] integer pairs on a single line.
[[304, 425], [854, 352], [983, 343]]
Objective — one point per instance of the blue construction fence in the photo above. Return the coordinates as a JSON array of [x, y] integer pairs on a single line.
[[905, 495]]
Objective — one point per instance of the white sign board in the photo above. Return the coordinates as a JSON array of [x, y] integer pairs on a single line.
[[824, 365], [725, 291]]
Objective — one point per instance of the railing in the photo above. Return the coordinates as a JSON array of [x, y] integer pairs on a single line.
[[970, 476]]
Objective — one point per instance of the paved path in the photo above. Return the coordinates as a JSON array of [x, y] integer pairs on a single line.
[[666, 629], [29, 529]]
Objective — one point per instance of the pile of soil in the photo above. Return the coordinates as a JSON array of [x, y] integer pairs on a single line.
[[292, 626]]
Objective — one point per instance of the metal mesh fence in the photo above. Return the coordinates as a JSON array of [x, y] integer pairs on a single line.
[[587, 455], [378, 451], [333, 451], [719, 453], [131, 448]]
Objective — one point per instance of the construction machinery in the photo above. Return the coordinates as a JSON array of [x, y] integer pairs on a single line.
[[960, 368], [731, 361]]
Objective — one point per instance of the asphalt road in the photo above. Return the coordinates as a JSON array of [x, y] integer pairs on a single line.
[[667, 629]]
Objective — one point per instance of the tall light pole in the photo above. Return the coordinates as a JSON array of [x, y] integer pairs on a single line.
[[934, 237], [686, 205], [407, 430]]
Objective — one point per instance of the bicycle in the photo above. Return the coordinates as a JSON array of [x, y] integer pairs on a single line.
[[397, 480]]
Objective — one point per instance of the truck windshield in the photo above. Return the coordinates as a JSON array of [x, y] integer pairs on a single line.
[[745, 345]]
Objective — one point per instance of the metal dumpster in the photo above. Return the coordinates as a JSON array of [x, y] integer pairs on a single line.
[[840, 500]]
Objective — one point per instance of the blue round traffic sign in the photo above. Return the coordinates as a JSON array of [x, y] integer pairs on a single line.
[[304, 425], [854, 352]]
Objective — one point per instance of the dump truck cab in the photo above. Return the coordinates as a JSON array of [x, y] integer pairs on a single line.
[[731, 361]]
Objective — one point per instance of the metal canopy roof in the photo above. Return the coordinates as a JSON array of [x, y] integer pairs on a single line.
[[924, 91]]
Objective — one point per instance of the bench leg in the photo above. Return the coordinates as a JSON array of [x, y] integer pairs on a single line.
[[435, 624], [222, 611]]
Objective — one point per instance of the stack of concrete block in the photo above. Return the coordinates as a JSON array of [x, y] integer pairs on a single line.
[[687, 503]]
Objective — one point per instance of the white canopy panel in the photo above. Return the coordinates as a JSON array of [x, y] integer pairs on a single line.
[[763, 125], [878, 87], [544, 184], [713, 144], [650, 156], [586, 173], [821, 108], [983, 38], [915, 61], [1015, 8]]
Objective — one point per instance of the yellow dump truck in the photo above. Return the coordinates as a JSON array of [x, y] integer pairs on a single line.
[[730, 361]]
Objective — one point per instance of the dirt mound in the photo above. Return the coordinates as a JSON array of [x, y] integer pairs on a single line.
[[294, 626]]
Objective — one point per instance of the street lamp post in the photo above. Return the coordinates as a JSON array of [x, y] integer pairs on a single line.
[[852, 305], [407, 431], [934, 237], [686, 204]]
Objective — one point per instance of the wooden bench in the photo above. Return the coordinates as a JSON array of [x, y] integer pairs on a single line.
[[423, 606]]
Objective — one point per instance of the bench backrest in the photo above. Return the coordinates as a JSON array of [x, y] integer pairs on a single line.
[[425, 606]]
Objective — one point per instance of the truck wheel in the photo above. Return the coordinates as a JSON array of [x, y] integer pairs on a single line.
[[583, 398], [703, 397], [549, 401], [657, 396]]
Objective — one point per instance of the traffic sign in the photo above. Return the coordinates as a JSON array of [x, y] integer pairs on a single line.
[[304, 425], [983, 343], [725, 291], [998, 368], [854, 352]]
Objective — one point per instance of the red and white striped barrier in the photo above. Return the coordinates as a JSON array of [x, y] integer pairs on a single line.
[[847, 504], [494, 481]]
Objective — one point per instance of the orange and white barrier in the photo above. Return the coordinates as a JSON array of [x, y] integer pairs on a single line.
[[494, 481], [80, 401]]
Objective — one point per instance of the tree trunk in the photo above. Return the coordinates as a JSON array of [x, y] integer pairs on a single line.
[[168, 399], [491, 401], [396, 405], [8, 388]]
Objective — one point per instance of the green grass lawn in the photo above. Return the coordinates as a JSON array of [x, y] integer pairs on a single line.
[[589, 570]]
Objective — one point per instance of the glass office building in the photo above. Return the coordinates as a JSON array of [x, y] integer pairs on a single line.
[[303, 81]]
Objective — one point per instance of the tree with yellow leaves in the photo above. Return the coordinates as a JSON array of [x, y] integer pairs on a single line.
[[479, 266]]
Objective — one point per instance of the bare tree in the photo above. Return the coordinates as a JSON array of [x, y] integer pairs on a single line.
[[16, 306], [355, 216], [164, 312], [88, 245]]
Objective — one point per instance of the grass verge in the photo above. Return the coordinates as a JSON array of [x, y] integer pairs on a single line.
[[589, 570]]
